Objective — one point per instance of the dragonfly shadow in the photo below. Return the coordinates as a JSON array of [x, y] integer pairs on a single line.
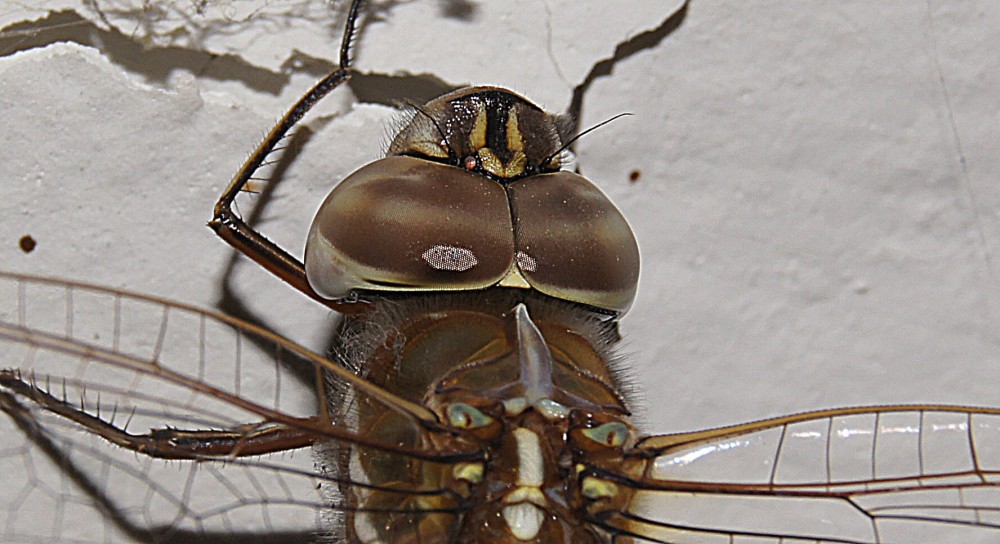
[[230, 301], [112, 511]]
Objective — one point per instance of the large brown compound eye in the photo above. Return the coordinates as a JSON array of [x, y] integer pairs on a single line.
[[572, 242], [408, 224]]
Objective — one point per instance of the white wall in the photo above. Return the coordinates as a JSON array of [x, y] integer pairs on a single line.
[[817, 208]]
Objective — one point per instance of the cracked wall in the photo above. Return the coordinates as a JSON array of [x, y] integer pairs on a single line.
[[815, 202]]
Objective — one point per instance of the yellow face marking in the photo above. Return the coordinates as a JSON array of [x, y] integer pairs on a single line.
[[516, 165], [429, 149], [515, 142], [490, 162], [477, 138], [488, 158]]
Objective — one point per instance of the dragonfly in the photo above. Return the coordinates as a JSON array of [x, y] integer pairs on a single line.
[[157, 326]]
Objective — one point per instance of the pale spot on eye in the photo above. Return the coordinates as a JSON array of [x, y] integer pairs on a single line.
[[455, 259], [526, 262]]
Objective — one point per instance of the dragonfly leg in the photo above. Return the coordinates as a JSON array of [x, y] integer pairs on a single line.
[[166, 443], [230, 226]]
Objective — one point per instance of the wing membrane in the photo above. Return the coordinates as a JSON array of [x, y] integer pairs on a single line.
[[88, 365], [74, 487], [82, 357], [858, 475]]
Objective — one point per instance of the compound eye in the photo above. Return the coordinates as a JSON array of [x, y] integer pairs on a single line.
[[611, 434], [465, 416], [470, 162]]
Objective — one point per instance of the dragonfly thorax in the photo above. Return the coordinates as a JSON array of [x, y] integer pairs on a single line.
[[539, 488], [525, 399]]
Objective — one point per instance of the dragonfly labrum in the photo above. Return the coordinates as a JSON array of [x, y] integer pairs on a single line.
[[472, 393]]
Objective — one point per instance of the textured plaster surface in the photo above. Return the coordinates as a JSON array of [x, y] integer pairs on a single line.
[[816, 204]]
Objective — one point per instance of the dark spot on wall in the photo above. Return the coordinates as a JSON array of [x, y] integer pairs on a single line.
[[27, 243]]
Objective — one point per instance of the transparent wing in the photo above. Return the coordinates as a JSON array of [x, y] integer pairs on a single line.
[[130, 418], [64, 485], [892, 474]]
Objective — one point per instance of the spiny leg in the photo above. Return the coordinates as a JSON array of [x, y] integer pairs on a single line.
[[164, 443], [231, 228]]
